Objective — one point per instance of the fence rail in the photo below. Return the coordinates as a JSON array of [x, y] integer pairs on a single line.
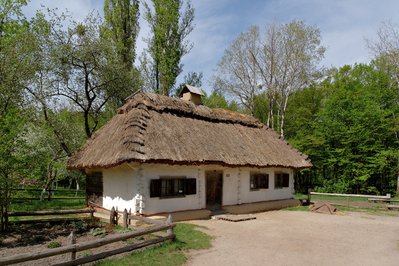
[[51, 212], [388, 196], [94, 244]]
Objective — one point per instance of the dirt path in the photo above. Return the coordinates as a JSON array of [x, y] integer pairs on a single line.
[[302, 238]]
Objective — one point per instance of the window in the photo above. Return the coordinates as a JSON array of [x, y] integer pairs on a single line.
[[173, 187], [259, 181], [281, 180]]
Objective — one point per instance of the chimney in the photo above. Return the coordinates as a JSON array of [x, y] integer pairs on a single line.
[[191, 94]]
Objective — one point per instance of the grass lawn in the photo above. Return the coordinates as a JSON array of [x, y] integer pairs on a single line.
[[68, 201], [29, 200], [54, 204], [168, 253]]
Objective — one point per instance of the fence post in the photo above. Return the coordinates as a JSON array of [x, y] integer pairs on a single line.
[[308, 199], [72, 240], [125, 219], [169, 222], [112, 216], [130, 213], [92, 212]]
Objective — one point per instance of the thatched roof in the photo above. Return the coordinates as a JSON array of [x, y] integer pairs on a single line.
[[151, 128]]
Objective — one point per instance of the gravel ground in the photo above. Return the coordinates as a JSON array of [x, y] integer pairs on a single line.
[[301, 238]]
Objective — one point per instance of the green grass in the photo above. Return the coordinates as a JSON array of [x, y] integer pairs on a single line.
[[71, 202], [168, 253], [37, 205]]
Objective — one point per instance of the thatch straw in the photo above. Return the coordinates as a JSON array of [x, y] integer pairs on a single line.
[[151, 128]]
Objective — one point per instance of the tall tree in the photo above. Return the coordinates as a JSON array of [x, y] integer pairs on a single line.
[[238, 74], [288, 62], [16, 62], [122, 25], [386, 52], [167, 45], [348, 130], [281, 62], [78, 66], [16, 65], [121, 28]]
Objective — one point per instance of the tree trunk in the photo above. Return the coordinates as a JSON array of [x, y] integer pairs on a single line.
[[283, 116], [397, 186]]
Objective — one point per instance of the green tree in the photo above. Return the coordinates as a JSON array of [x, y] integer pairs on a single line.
[[121, 27], [77, 66], [353, 145], [217, 100], [13, 162], [167, 45], [16, 62]]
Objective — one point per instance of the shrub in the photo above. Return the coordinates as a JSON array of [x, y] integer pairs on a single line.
[[54, 244]]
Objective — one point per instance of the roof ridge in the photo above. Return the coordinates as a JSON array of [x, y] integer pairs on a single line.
[[162, 103]]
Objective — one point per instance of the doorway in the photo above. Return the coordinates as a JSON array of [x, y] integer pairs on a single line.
[[214, 190]]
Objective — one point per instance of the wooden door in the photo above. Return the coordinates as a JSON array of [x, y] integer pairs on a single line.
[[214, 190]]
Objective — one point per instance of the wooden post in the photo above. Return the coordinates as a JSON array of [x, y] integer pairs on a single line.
[[130, 213], [309, 195], [71, 241], [125, 219], [169, 222], [111, 216]]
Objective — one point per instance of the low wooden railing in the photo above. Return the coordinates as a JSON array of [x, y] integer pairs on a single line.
[[73, 248], [388, 196], [50, 212]]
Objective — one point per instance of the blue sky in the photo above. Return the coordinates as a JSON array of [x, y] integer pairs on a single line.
[[344, 25]]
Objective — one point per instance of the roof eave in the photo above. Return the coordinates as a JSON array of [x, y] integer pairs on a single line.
[[197, 163]]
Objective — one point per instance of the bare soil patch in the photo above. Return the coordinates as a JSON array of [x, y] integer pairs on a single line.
[[302, 238], [36, 237]]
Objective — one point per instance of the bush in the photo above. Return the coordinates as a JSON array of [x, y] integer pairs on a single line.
[[98, 232], [54, 244]]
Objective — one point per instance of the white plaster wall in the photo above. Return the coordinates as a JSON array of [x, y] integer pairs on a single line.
[[230, 184], [120, 187], [123, 183], [265, 194], [160, 205]]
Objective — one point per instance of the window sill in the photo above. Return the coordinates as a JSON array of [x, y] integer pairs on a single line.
[[172, 197], [257, 189]]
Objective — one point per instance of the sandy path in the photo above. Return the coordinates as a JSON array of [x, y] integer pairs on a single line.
[[302, 238]]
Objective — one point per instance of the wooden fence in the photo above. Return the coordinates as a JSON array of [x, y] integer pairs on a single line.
[[73, 248], [388, 196], [50, 212]]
